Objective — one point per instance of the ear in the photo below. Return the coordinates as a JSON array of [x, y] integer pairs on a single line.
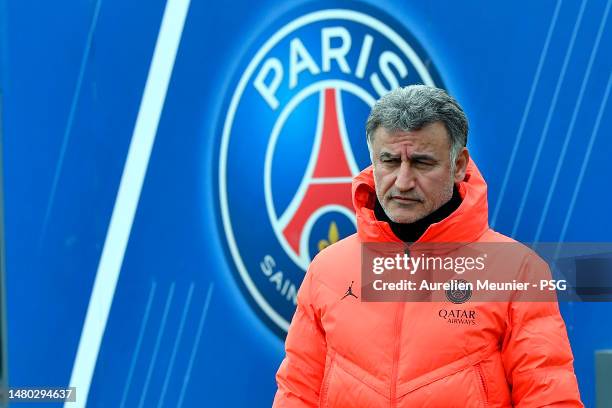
[[461, 163]]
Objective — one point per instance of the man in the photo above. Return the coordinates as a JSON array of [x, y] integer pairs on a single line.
[[422, 187]]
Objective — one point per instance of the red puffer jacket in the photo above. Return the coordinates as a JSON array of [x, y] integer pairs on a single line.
[[348, 353]]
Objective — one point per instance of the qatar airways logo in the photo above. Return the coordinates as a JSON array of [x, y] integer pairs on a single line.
[[293, 139]]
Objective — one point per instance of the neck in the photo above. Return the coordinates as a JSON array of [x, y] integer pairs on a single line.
[[413, 231]]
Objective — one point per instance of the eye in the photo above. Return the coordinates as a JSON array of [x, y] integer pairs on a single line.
[[423, 164]]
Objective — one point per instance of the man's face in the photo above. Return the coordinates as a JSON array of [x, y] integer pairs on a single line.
[[412, 171]]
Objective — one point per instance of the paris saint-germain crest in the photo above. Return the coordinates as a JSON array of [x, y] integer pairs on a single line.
[[293, 138]]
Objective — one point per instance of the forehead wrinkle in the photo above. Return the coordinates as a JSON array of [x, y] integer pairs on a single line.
[[418, 141], [416, 137]]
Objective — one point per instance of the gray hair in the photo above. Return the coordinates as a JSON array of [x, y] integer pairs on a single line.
[[416, 106]]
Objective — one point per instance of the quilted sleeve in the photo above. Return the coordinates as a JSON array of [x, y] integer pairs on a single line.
[[536, 351], [300, 374]]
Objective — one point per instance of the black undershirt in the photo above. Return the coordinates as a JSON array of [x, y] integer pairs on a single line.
[[413, 231]]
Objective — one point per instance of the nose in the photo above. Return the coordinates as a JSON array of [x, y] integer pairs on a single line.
[[404, 180]]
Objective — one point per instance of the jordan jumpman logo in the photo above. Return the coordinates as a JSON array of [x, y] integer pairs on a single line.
[[349, 291]]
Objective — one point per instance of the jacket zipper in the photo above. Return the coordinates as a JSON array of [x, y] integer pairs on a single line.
[[396, 352], [483, 384], [323, 395], [399, 315]]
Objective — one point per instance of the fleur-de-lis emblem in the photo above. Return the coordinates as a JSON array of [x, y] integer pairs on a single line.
[[332, 236]]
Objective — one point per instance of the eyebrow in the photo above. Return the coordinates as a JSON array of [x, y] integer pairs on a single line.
[[387, 155], [413, 157], [423, 157]]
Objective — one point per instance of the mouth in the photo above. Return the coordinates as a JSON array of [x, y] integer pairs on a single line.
[[405, 200]]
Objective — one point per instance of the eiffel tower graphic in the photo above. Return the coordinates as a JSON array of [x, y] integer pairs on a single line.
[[326, 184]]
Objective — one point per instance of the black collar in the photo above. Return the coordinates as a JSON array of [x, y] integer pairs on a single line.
[[413, 231]]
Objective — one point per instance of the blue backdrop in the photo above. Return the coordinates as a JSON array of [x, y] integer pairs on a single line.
[[82, 87]]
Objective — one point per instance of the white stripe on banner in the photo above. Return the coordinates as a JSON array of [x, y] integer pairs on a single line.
[[526, 111], [132, 179]]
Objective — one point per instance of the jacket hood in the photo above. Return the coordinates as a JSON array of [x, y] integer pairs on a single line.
[[466, 224]]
